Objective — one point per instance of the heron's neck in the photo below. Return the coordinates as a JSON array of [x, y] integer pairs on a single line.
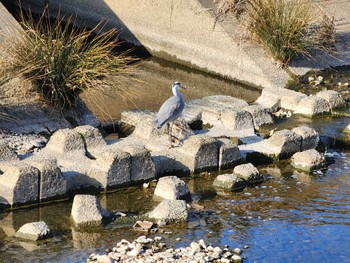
[[176, 92]]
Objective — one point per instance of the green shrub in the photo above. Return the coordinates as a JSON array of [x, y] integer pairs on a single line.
[[63, 61], [287, 27]]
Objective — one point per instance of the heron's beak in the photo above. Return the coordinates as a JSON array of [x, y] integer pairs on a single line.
[[182, 87]]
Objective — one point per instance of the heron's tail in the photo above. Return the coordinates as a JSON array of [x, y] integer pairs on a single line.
[[157, 124]]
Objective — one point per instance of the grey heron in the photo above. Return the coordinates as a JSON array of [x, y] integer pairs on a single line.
[[171, 109]]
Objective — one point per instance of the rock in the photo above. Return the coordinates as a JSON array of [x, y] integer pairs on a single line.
[[142, 166], [236, 258], [6, 153], [91, 136], [20, 184], [87, 211], [229, 154], [312, 106], [347, 129], [287, 142], [249, 173], [172, 188], [103, 259], [33, 231], [261, 116], [308, 160], [170, 211], [52, 183], [334, 99], [290, 99], [65, 140], [237, 120], [309, 137], [143, 226], [229, 182]]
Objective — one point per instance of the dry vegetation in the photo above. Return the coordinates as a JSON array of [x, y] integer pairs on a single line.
[[62, 60], [285, 28]]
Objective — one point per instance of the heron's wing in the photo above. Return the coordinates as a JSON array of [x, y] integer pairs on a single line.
[[170, 110]]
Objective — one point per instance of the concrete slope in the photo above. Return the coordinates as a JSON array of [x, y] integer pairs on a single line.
[[188, 32]]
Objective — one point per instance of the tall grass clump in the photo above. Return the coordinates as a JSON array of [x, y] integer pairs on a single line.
[[286, 27], [63, 60]]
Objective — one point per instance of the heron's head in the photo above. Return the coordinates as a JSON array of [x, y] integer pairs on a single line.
[[177, 85]]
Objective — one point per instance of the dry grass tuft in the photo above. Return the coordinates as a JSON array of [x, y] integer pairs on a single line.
[[63, 61], [287, 28]]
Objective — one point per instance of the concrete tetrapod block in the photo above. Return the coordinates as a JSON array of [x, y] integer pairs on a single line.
[[6, 153], [87, 211], [290, 99], [229, 154], [237, 120], [65, 140], [142, 166], [334, 99], [112, 167], [309, 137], [172, 188], [19, 185], [170, 211], [261, 116], [249, 173], [229, 182], [34, 231], [308, 160], [91, 136], [312, 106], [199, 152], [52, 183], [287, 142]]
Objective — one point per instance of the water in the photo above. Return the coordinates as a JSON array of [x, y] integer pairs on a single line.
[[153, 86], [292, 217]]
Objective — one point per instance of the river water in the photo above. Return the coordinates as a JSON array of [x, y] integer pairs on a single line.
[[291, 217]]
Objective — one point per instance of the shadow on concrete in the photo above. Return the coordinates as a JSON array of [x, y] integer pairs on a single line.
[[102, 14]]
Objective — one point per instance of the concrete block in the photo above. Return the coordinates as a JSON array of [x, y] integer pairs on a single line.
[[134, 117], [87, 211], [111, 168], [261, 116], [6, 153], [287, 142], [334, 99], [199, 152], [19, 184], [309, 137], [212, 106], [249, 173], [171, 188], [229, 154], [290, 99], [312, 106], [92, 137], [308, 160], [269, 99], [168, 163], [34, 231], [52, 183], [229, 182], [142, 167], [65, 140], [170, 211], [237, 120]]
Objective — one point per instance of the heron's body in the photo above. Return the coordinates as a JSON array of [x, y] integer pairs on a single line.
[[172, 108]]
